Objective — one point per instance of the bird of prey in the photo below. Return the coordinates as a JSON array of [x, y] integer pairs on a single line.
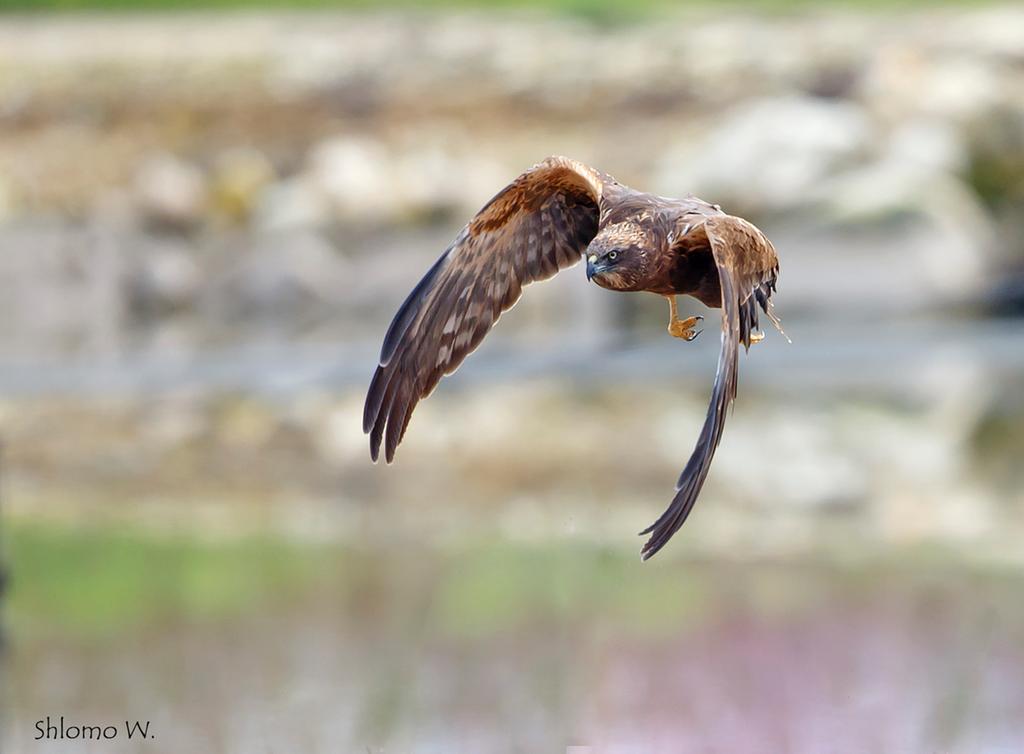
[[547, 219]]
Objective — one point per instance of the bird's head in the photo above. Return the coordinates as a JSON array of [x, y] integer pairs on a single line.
[[617, 257]]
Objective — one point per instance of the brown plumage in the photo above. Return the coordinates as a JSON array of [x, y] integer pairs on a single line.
[[546, 220]]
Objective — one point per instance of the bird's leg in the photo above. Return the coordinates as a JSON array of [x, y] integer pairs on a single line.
[[681, 328]]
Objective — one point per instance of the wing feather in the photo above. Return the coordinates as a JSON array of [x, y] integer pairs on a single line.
[[540, 223], [747, 269]]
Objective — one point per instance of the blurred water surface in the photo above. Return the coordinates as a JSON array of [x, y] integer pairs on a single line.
[[503, 647]]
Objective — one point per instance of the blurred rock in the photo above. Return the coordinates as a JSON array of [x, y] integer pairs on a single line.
[[910, 171], [957, 89], [883, 152], [283, 276], [171, 192], [930, 145], [769, 154], [357, 177], [292, 204], [437, 179], [164, 278], [953, 232], [368, 181], [239, 178], [819, 469]]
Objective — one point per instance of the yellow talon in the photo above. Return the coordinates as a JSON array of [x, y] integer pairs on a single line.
[[684, 328], [681, 328]]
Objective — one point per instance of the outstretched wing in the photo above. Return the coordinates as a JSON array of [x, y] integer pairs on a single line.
[[747, 269], [537, 225]]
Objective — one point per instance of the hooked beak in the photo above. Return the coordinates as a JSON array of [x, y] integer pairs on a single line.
[[591, 266]]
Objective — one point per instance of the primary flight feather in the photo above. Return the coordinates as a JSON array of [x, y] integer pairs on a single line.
[[547, 219]]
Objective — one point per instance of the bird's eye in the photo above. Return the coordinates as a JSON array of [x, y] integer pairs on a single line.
[[612, 255]]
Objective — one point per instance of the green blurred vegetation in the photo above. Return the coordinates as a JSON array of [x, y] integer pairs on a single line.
[[493, 589], [97, 583]]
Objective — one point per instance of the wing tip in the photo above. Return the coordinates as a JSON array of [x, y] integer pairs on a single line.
[[375, 456], [374, 399], [389, 447], [381, 436]]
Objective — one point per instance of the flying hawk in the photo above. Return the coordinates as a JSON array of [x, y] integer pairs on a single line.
[[547, 219]]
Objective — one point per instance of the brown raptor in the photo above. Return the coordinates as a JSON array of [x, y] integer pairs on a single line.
[[547, 219]]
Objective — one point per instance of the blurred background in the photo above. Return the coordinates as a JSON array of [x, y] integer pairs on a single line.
[[207, 220]]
